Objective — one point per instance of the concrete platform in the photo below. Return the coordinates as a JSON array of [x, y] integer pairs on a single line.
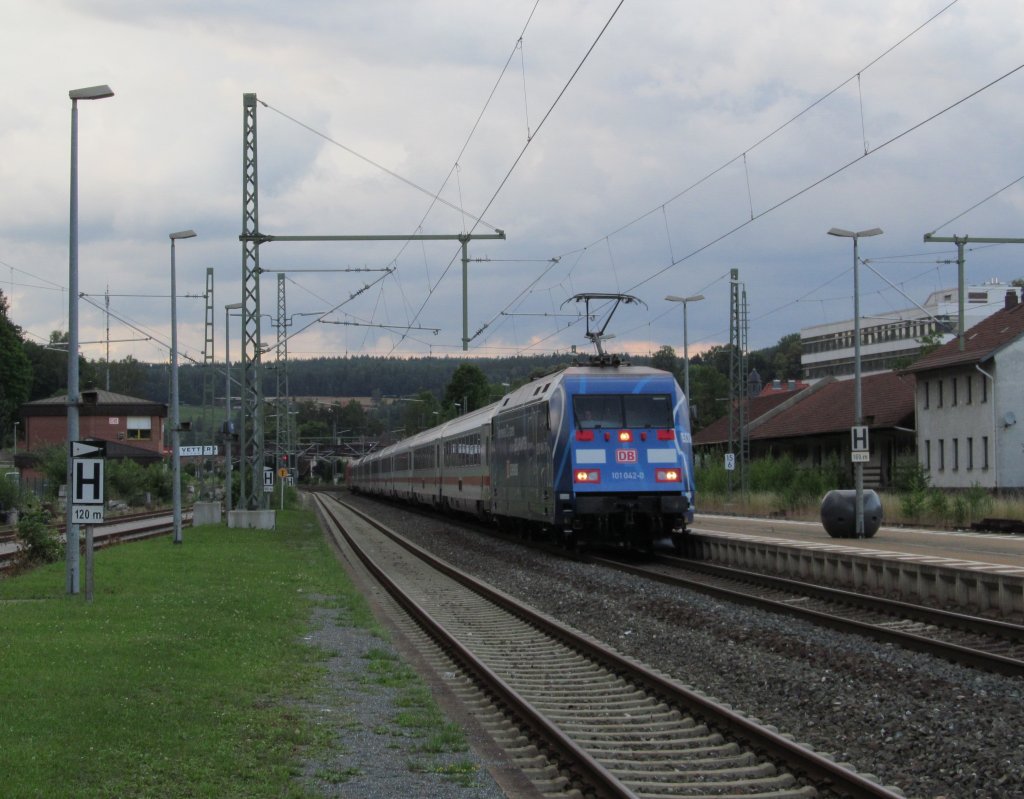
[[972, 585], [252, 519]]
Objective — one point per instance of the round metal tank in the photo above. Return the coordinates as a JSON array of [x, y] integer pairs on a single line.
[[839, 513]]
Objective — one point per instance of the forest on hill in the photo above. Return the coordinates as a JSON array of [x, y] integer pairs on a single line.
[[31, 371]]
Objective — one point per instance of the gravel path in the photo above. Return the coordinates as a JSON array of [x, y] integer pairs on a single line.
[[371, 756], [931, 728]]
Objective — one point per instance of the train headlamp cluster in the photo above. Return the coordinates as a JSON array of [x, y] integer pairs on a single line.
[[587, 476], [625, 436], [668, 476]]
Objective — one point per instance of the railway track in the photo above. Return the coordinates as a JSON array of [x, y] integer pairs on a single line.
[[122, 529], [604, 725], [974, 641]]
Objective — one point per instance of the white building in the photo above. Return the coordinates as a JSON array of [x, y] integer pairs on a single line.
[[968, 404], [890, 340]]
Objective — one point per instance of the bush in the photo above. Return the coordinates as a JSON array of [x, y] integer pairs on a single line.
[[909, 475], [711, 477], [38, 542], [10, 495], [979, 502], [960, 511], [938, 506], [791, 486], [912, 504]]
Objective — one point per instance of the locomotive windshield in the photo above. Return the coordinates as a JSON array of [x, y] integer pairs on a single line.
[[622, 410]]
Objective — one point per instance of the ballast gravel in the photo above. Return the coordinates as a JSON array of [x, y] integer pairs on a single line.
[[932, 729], [372, 755]]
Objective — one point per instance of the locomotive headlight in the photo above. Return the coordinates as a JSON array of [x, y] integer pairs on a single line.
[[587, 475], [625, 435], [667, 476]]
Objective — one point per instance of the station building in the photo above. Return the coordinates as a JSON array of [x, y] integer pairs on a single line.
[[133, 428], [893, 339]]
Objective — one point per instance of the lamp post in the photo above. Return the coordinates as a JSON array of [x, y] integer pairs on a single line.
[[88, 93], [234, 306], [175, 421], [686, 350], [858, 467]]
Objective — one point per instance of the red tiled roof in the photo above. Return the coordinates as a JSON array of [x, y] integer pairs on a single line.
[[887, 400], [757, 407], [981, 342]]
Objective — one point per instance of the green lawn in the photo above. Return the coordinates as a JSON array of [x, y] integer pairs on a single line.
[[175, 680]]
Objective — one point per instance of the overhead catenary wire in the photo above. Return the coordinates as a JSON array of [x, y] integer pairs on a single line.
[[764, 139], [527, 144]]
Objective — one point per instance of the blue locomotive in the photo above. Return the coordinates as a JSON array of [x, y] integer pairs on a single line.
[[596, 455]]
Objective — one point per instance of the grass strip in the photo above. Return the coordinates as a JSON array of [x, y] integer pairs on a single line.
[[176, 681]]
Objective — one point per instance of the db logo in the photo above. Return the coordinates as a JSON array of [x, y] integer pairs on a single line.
[[625, 456]]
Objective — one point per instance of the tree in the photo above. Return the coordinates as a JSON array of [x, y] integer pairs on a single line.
[[468, 388], [420, 412], [785, 363], [709, 389], [15, 370], [127, 376], [49, 366], [665, 359]]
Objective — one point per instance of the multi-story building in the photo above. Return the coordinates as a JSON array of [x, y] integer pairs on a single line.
[[892, 339], [968, 403]]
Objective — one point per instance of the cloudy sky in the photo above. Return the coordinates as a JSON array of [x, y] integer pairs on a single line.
[[644, 147]]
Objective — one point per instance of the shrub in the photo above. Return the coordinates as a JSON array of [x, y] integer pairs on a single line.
[[938, 506], [38, 542], [978, 500], [960, 511], [909, 475], [711, 476], [912, 504]]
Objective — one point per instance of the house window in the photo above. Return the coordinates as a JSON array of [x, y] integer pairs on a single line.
[[927, 394], [939, 403], [140, 428], [970, 453], [984, 449], [928, 455], [967, 383], [984, 390], [954, 398], [956, 454], [942, 454]]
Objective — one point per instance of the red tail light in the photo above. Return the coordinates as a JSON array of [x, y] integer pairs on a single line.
[[587, 476], [666, 435], [668, 476], [584, 435]]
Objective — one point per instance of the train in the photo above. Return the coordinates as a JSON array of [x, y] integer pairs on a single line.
[[595, 455]]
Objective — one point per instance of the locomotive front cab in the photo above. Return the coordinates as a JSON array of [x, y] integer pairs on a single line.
[[630, 479]]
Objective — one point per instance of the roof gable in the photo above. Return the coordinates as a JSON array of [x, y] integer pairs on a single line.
[[981, 342], [887, 400]]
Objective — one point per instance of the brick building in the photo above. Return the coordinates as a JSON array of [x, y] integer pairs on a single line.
[[133, 427]]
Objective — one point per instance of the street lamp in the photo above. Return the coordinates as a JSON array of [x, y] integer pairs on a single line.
[[686, 351], [88, 93], [858, 467], [175, 422]]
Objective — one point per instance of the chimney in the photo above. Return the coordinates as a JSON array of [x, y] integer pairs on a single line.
[[1011, 300]]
